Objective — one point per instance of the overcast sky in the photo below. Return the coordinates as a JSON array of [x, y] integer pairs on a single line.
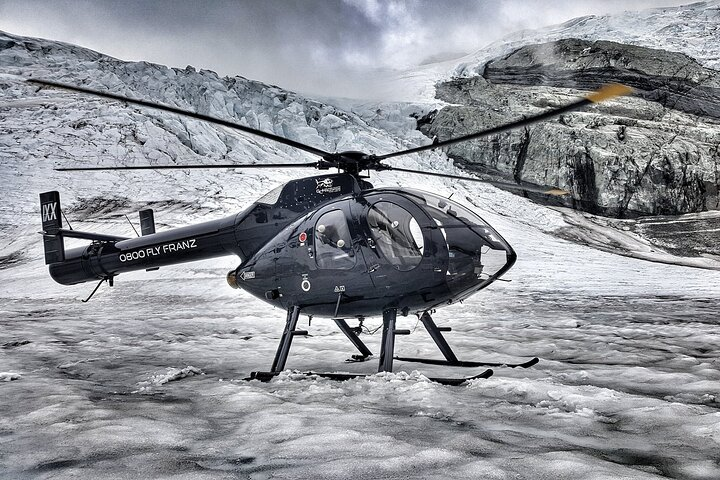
[[316, 46]]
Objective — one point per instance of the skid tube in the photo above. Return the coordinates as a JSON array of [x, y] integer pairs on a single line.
[[341, 377], [451, 359]]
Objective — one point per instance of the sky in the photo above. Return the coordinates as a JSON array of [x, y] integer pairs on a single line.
[[326, 47]]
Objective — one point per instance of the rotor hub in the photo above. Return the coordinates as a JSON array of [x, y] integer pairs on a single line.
[[352, 162]]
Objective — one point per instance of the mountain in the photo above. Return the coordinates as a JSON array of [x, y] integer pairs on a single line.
[[688, 29], [653, 154], [45, 128], [633, 157]]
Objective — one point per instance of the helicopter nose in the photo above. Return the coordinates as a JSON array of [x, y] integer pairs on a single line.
[[232, 279], [474, 262]]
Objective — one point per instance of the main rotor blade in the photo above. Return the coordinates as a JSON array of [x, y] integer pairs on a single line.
[[189, 167], [604, 93], [187, 113], [514, 186]]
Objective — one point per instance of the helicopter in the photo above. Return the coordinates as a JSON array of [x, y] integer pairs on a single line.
[[328, 246]]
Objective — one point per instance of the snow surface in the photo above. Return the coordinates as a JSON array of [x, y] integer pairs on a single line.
[[146, 380], [627, 386]]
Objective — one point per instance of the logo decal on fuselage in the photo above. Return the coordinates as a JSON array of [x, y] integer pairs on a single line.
[[325, 186], [247, 275], [305, 284], [48, 212], [160, 250]]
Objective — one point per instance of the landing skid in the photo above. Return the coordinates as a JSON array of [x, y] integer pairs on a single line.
[[450, 359], [341, 377], [387, 347], [431, 361]]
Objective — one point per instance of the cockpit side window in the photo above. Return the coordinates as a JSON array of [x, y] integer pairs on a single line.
[[333, 243], [396, 234]]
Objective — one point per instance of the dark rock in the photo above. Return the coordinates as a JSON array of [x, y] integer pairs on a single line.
[[654, 153], [672, 79]]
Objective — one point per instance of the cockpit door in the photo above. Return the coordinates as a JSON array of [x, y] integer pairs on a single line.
[[400, 248], [336, 273]]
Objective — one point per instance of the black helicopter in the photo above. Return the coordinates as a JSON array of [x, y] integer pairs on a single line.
[[328, 246]]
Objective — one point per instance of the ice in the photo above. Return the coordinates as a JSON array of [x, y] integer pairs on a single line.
[[170, 375], [9, 376], [596, 403]]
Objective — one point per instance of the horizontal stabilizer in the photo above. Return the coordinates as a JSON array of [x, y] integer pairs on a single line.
[[100, 237]]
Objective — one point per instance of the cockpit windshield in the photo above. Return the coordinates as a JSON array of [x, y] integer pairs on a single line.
[[476, 251]]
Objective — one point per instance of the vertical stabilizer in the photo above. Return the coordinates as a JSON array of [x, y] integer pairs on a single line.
[[147, 227], [51, 225], [147, 222]]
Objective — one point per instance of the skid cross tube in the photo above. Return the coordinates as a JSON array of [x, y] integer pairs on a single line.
[[352, 336], [286, 340], [388, 341], [438, 338], [387, 348]]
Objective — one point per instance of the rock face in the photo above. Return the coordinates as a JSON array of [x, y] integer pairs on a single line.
[[657, 152]]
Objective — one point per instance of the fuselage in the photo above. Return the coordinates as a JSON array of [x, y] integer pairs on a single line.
[[378, 249], [325, 244]]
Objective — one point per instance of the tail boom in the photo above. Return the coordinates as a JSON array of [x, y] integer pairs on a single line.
[[110, 255], [105, 259]]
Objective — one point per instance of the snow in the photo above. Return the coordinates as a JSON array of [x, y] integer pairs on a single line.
[[147, 379], [627, 385], [172, 374], [622, 390], [9, 376]]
